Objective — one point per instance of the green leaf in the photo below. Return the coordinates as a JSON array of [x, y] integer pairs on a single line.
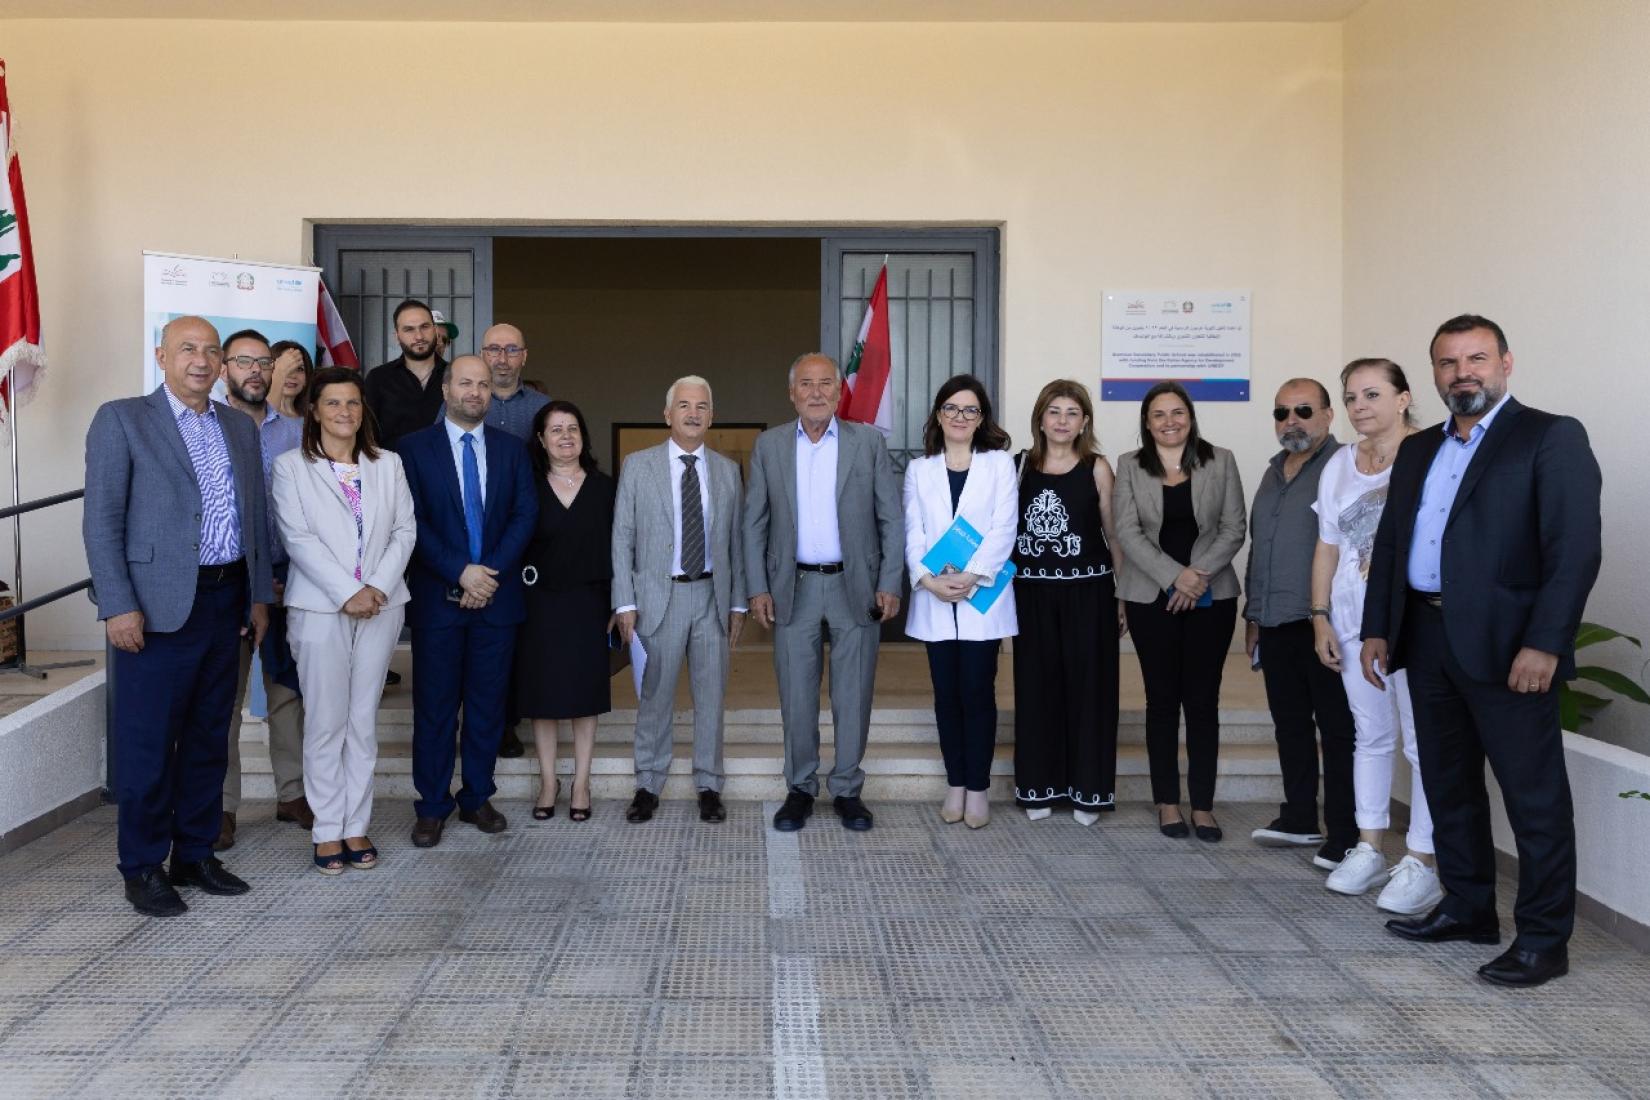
[[1615, 681], [1591, 634], [1569, 710]]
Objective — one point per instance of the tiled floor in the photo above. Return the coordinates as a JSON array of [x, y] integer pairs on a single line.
[[684, 960]]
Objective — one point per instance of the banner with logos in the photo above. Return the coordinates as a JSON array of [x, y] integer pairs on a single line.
[[278, 300], [1197, 338]]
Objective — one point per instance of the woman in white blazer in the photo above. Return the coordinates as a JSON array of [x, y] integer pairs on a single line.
[[965, 473], [346, 516]]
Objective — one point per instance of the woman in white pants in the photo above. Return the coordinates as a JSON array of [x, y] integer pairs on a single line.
[[346, 516], [1351, 495]]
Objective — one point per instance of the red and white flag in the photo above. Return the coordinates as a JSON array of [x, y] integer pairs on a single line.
[[868, 379], [22, 360], [336, 349]]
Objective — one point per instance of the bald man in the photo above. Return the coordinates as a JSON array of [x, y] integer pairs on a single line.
[[504, 350], [472, 489]]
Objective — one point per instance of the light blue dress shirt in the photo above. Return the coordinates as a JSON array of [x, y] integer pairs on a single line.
[[455, 438], [1426, 552], [818, 538], [215, 474]]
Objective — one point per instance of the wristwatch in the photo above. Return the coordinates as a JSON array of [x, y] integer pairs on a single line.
[[1317, 611]]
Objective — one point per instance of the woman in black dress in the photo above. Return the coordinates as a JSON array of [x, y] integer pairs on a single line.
[[1065, 659], [562, 670]]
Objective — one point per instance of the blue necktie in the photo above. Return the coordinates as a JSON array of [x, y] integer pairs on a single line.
[[472, 496]]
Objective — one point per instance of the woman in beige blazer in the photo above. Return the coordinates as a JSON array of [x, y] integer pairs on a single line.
[[346, 516], [1180, 522]]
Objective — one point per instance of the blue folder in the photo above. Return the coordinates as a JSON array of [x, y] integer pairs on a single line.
[[952, 553]]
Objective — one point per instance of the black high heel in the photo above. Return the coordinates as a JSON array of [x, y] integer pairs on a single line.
[[578, 813], [545, 813]]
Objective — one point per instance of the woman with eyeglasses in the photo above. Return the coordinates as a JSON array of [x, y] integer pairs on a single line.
[[1065, 659], [962, 607], [1351, 496], [562, 668], [1180, 520], [346, 516]]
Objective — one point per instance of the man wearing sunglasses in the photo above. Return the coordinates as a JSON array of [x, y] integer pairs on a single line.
[[1307, 700], [248, 370]]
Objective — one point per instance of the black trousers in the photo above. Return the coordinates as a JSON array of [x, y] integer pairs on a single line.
[[965, 708], [1461, 722], [1182, 657], [1308, 705]]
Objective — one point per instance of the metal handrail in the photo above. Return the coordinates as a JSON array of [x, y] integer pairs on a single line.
[[20, 663], [43, 502], [41, 601]]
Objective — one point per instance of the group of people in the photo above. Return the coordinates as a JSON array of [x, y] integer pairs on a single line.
[[456, 499]]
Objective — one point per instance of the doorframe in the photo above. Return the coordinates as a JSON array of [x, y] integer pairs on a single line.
[[983, 240]]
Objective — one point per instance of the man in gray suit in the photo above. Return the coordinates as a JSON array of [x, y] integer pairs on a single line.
[[678, 576], [824, 546], [177, 540]]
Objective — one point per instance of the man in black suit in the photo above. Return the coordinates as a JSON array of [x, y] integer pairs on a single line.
[[1486, 552]]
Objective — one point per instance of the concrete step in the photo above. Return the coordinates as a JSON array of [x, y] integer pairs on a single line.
[[895, 771]]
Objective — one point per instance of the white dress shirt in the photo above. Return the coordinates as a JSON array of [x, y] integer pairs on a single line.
[[818, 539], [677, 466], [455, 436]]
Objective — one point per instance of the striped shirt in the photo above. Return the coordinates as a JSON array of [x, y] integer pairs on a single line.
[[209, 454]]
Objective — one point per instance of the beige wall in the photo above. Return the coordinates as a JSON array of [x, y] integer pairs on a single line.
[[1496, 153], [1111, 154], [612, 323]]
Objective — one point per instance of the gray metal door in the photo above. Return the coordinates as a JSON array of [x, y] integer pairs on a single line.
[[941, 316], [369, 274]]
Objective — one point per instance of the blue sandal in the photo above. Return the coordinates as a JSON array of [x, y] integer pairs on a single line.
[[330, 865], [364, 860]]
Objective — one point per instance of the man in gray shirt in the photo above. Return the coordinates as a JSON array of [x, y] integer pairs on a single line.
[[1283, 535], [504, 350]]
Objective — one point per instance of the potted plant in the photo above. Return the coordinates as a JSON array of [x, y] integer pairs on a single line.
[[1576, 707]]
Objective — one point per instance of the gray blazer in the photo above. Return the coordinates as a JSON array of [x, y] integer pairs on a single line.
[[1137, 506], [870, 517], [142, 519], [644, 536]]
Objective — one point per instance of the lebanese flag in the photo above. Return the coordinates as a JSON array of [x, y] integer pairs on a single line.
[[22, 360], [336, 349], [868, 379]]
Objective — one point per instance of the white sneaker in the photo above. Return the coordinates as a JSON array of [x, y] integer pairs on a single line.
[[1361, 868], [1414, 888]]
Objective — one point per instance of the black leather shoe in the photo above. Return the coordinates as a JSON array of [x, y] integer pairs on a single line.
[[151, 894], [853, 813], [485, 818], [427, 831], [798, 807], [711, 808], [510, 746], [1209, 834], [641, 807], [1439, 927], [1517, 966], [209, 875]]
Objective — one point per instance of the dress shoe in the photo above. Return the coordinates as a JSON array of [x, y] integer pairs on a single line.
[[1516, 966], [392, 678], [853, 813], [711, 808], [1439, 927], [977, 809], [152, 894], [208, 875], [641, 806], [951, 810], [510, 746], [1174, 830], [226, 834], [297, 812], [485, 818], [427, 831], [798, 807]]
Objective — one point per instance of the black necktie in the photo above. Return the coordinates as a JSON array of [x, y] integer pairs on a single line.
[[693, 520]]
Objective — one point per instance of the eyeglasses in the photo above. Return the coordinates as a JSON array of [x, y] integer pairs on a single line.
[[509, 351], [964, 412], [1303, 412], [247, 362]]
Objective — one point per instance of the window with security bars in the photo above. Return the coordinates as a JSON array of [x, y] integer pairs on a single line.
[[932, 326]]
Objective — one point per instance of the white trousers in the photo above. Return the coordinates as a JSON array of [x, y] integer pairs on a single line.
[[1379, 716], [341, 667]]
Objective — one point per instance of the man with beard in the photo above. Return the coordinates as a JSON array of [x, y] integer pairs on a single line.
[[404, 394], [248, 367], [472, 489], [1487, 549], [1307, 700]]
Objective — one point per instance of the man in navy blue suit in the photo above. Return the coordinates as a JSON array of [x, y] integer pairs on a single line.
[[472, 489]]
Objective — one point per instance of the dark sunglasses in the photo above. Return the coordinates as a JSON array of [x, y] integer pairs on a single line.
[[1281, 413]]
